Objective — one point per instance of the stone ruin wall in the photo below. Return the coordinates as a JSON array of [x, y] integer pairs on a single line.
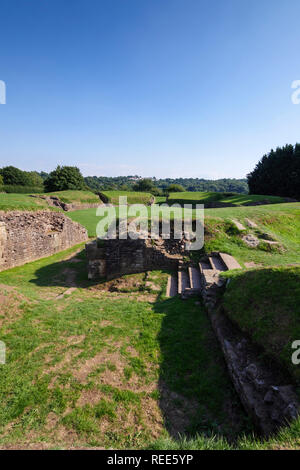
[[113, 258], [54, 201], [28, 236]]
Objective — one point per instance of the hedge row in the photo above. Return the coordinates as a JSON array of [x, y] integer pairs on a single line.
[[20, 189]]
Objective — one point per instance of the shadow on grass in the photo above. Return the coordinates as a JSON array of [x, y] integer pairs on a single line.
[[196, 394], [265, 304], [71, 272]]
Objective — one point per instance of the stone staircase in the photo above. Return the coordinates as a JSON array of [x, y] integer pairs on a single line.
[[267, 396], [202, 279]]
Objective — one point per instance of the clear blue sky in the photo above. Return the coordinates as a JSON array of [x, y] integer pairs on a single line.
[[160, 88]]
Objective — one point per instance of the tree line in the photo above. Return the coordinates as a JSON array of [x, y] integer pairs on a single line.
[[129, 183], [276, 174], [68, 177]]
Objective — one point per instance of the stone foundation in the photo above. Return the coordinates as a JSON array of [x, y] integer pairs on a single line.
[[114, 258], [28, 236]]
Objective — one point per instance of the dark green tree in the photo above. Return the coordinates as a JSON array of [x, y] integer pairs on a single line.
[[13, 176], [175, 188], [64, 177], [145, 185], [277, 173], [34, 179]]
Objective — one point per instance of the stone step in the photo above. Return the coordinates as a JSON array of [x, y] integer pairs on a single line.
[[172, 286], [238, 225], [183, 281], [217, 263], [195, 278], [203, 266], [188, 292], [210, 277], [229, 261], [250, 223]]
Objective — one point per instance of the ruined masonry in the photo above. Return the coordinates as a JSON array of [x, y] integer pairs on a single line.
[[114, 258], [28, 236]]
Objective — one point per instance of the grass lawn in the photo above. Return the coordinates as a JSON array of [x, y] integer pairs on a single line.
[[133, 197], [160, 199], [280, 222], [107, 368], [189, 197], [23, 202], [70, 196], [87, 218]]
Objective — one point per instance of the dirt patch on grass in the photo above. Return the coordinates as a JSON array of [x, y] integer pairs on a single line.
[[124, 284], [110, 367], [52, 421], [66, 360], [75, 339], [152, 416], [10, 301], [90, 397], [132, 351], [105, 323], [67, 292], [252, 264]]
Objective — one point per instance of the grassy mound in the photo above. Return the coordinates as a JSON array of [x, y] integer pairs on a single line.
[[21, 202], [223, 198], [280, 223], [133, 197], [71, 196], [265, 304], [24, 202]]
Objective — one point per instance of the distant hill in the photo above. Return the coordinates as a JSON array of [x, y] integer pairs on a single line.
[[126, 183]]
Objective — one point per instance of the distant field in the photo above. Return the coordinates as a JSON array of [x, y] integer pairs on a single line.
[[208, 197], [23, 202], [132, 197], [75, 196]]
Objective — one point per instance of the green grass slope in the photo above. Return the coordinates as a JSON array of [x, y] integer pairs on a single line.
[[72, 196], [189, 197], [265, 304], [133, 197], [22, 202], [280, 222]]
